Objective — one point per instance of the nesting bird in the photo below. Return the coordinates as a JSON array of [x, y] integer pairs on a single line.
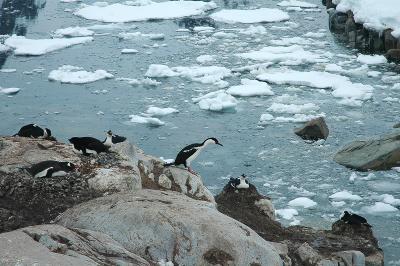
[[112, 139], [354, 219], [88, 145], [190, 152], [33, 131], [239, 182], [51, 169]]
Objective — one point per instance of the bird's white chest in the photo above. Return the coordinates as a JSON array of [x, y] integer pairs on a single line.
[[243, 184], [43, 173], [194, 155], [108, 141]]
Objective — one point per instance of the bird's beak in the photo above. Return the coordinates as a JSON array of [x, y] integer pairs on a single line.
[[220, 144]]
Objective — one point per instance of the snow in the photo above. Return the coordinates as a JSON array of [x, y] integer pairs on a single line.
[[157, 111], [73, 32], [297, 4], [344, 195], [302, 202], [377, 15], [293, 108], [203, 59], [9, 91], [24, 46], [202, 74], [129, 51], [76, 75], [128, 13], [287, 214], [371, 59], [378, 208], [4, 48], [216, 101], [250, 88], [138, 34], [314, 34], [250, 16], [146, 120], [294, 53]]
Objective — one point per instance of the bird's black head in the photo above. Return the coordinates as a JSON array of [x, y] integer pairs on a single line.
[[69, 166], [48, 132], [212, 140], [109, 133], [72, 140]]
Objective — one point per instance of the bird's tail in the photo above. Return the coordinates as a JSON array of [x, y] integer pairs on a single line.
[[169, 164]]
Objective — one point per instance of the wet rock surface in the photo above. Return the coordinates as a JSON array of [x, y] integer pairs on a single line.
[[303, 245], [313, 130]]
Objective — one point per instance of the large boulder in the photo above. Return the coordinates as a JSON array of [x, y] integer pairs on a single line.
[[313, 130], [375, 154], [393, 54], [56, 245], [166, 225], [27, 201]]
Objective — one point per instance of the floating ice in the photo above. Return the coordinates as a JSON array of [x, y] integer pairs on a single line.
[[137, 82], [76, 75], [297, 3], [160, 71], [389, 199], [4, 48], [138, 34], [287, 214], [254, 30], [127, 13], [129, 51], [250, 15], [297, 40], [73, 32], [378, 208], [265, 119], [302, 202], [344, 195], [9, 91], [146, 120], [338, 203], [8, 70], [156, 111], [203, 59], [138, 3], [250, 88], [371, 59], [294, 53], [296, 118], [24, 46], [314, 34], [216, 101], [293, 108]]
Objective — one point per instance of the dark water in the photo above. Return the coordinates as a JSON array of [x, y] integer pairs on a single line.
[[273, 156]]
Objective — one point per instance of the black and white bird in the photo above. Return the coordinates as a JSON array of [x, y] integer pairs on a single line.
[[88, 145], [354, 219], [239, 182], [112, 139], [190, 152], [51, 169], [33, 131]]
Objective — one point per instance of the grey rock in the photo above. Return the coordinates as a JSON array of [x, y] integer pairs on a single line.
[[352, 257], [56, 245], [164, 181], [308, 255], [374, 154], [390, 41], [313, 130], [169, 225], [337, 21], [393, 55]]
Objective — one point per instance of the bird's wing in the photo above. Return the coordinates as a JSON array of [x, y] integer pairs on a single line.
[[118, 139], [186, 153]]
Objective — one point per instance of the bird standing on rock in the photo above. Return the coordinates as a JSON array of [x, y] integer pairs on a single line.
[[112, 139], [239, 182], [88, 145], [354, 219], [190, 152]]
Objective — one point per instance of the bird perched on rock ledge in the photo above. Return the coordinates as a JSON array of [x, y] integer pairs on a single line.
[[112, 139], [190, 152], [354, 219], [239, 182]]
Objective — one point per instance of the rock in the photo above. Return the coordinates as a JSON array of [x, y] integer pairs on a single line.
[[352, 257], [329, 4], [313, 130], [29, 201], [307, 255], [397, 125], [337, 21], [393, 55], [376, 42], [56, 245], [152, 169], [390, 41], [373, 154], [169, 225]]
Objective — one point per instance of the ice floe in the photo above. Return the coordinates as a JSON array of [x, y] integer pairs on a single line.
[[73, 32], [138, 34], [216, 101], [254, 30], [250, 15], [302, 202], [266, 119], [137, 82], [24, 46], [129, 51], [287, 214], [344, 195], [4, 48], [389, 199], [294, 53], [297, 4], [157, 111], [371, 59], [127, 13], [379, 208], [250, 88], [77, 75], [204, 59], [9, 91], [152, 121], [293, 108]]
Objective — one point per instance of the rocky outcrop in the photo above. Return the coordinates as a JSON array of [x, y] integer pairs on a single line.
[[313, 130], [299, 245], [375, 154], [165, 225], [365, 39], [56, 245]]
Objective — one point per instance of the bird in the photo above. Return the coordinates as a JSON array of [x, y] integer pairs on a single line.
[[33, 131], [190, 152], [112, 139], [88, 145], [239, 182], [51, 169], [354, 219]]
